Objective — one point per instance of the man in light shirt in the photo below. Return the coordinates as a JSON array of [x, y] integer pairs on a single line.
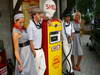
[[35, 37]]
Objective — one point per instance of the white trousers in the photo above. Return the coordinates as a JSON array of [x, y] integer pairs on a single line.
[[66, 48], [40, 62]]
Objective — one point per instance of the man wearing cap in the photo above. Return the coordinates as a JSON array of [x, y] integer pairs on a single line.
[[35, 37], [67, 33]]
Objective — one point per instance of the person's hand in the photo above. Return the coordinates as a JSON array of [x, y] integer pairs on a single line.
[[34, 53], [69, 37], [72, 38], [32, 48], [20, 68]]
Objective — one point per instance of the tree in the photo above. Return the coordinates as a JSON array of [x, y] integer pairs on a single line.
[[84, 5], [97, 9], [70, 4]]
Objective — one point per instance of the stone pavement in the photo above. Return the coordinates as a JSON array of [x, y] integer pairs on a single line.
[[90, 64]]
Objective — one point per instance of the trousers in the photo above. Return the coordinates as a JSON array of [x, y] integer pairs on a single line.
[[66, 49], [40, 62]]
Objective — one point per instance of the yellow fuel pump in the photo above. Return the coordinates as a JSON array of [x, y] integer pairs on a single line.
[[52, 46]]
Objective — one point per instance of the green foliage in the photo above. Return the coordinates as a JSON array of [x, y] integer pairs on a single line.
[[70, 3], [97, 10], [83, 5], [86, 18]]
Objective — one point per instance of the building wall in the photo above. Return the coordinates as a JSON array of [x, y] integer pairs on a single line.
[[5, 27], [63, 5], [57, 14], [14, 3]]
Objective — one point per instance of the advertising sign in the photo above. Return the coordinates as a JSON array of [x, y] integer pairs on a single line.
[[49, 8]]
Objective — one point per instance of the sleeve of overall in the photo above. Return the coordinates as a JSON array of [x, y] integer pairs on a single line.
[[73, 30], [63, 31], [30, 31]]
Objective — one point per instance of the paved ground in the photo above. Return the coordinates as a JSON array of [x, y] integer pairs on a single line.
[[90, 64]]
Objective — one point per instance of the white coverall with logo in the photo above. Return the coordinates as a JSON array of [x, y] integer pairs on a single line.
[[67, 30]]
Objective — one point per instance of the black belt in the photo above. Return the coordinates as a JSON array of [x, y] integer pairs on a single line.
[[77, 31], [24, 44], [37, 48]]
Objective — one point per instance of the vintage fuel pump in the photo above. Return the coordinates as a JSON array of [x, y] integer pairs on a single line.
[[51, 40], [52, 46]]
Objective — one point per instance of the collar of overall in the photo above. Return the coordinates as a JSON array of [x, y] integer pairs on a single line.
[[66, 24], [38, 26]]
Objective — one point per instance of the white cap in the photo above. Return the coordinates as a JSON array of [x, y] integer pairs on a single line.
[[18, 16]]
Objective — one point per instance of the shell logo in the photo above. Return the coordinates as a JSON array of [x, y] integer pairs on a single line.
[[53, 7], [56, 62]]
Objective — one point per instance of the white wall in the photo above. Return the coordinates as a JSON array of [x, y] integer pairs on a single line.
[[63, 5], [42, 3]]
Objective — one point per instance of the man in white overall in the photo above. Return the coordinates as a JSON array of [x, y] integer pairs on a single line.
[[35, 37], [67, 33]]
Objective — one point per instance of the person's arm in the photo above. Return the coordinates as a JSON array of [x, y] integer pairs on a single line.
[[32, 47], [64, 36], [30, 35], [72, 31], [16, 49], [63, 31]]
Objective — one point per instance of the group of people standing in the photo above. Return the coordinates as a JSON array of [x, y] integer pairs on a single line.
[[71, 40], [30, 58], [29, 55]]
